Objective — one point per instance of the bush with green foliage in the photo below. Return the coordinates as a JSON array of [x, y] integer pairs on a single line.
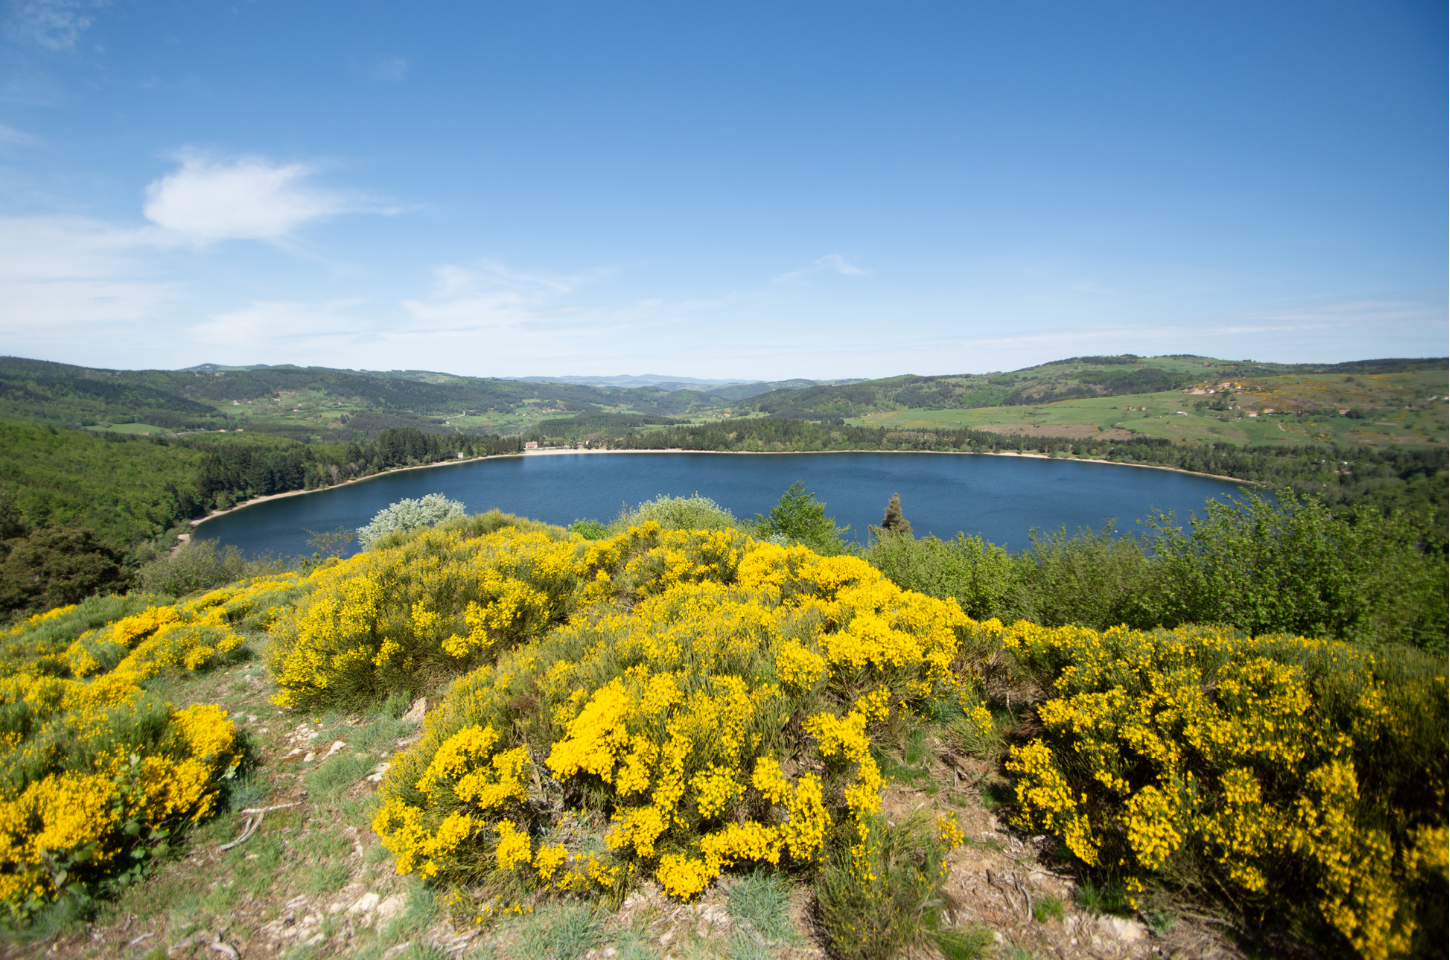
[[55, 566], [800, 518], [1291, 566], [200, 565], [1259, 565], [677, 513], [407, 514]]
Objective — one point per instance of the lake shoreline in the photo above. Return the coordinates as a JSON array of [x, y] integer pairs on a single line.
[[735, 453]]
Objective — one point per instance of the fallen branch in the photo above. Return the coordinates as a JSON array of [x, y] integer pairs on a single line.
[[280, 806], [249, 828]]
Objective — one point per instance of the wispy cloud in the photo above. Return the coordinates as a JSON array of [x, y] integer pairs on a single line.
[[53, 24], [15, 137], [283, 326], [491, 296], [60, 271], [390, 69], [830, 263], [1257, 329], [250, 198]]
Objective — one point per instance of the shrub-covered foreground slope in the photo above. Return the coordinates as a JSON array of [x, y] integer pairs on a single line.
[[691, 743]]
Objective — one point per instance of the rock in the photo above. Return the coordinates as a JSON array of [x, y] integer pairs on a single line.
[[392, 952], [1117, 928], [297, 901], [336, 746], [365, 903], [392, 906], [416, 711], [378, 771], [310, 757]]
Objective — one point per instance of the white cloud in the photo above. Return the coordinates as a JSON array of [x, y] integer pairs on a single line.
[[493, 297], [17, 137], [61, 271], [289, 325], [246, 199], [53, 24], [830, 263]]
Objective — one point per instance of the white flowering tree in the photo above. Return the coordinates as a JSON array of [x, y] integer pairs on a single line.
[[409, 515]]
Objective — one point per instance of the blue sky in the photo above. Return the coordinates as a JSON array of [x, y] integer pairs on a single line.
[[728, 190]]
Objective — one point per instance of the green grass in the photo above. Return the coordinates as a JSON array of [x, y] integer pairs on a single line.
[[1424, 423], [762, 900], [1109, 897], [563, 932], [1047, 909]]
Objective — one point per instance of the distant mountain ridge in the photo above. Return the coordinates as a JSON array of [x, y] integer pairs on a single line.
[[315, 404]]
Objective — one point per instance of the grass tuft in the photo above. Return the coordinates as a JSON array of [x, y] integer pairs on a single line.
[[564, 932], [762, 900]]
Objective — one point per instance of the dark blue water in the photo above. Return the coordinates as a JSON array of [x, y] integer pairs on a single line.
[[1001, 498]]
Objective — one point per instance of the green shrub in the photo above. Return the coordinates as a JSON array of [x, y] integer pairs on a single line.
[[201, 565], [1293, 567], [882, 896], [677, 513], [55, 566], [1093, 578], [980, 576], [800, 518]]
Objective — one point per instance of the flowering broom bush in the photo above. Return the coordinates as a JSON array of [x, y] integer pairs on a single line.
[[713, 695], [1291, 772], [93, 768], [672, 703]]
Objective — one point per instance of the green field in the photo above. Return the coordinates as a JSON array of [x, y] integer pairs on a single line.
[[1397, 409]]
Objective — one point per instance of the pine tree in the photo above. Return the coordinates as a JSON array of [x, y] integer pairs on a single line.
[[894, 521]]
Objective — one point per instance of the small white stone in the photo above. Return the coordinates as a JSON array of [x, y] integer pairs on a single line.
[[365, 903], [336, 746], [378, 771], [392, 906], [416, 711], [309, 757], [1120, 929]]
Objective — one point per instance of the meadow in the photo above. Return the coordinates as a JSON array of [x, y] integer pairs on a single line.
[[1390, 409]]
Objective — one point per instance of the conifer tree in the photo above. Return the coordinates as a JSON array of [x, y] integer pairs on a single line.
[[894, 522]]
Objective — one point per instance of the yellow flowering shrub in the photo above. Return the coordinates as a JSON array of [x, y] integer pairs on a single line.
[[440, 602], [1252, 758], [91, 764], [662, 700]]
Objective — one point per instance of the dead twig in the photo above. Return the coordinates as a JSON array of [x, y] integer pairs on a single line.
[[249, 828], [280, 806], [1026, 894]]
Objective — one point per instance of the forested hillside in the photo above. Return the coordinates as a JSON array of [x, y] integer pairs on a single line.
[[1076, 377], [319, 404], [78, 510]]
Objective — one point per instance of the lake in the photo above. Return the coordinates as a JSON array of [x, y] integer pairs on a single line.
[[1000, 498]]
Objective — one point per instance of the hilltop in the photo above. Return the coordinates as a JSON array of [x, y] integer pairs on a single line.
[[1391, 401]]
